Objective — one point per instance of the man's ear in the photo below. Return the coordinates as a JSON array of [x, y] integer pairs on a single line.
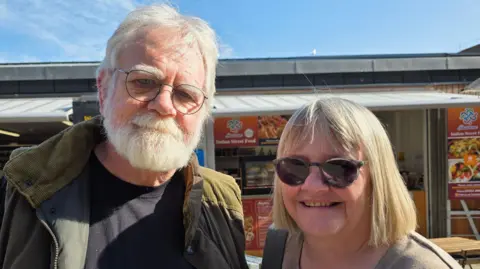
[[102, 86]]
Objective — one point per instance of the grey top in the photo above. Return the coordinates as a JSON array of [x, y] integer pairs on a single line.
[[414, 251]]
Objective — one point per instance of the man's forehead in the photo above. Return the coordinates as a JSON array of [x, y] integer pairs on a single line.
[[170, 42], [186, 55]]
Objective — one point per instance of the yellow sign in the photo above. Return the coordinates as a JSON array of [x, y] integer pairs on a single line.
[[87, 117]]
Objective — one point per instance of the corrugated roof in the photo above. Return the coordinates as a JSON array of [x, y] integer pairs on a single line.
[[235, 105], [35, 109]]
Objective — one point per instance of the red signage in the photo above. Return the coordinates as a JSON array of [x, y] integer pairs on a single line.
[[463, 191], [464, 153], [257, 218], [236, 132], [463, 122]]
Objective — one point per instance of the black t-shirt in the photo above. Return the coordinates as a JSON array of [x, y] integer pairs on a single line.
[[133, 226]]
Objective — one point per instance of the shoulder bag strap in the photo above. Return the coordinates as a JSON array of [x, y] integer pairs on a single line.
[[274, 249]]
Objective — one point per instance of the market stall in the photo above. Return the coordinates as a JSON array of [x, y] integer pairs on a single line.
[[246, 130]]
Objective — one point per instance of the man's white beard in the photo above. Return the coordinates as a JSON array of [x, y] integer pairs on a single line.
[[150, 143]]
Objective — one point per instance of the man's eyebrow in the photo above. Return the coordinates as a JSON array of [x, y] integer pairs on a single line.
[[148, 68]]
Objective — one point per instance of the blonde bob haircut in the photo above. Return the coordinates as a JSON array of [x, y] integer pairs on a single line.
[[354, 128]]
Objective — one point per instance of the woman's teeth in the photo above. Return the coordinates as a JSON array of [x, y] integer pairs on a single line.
[[318, 204]]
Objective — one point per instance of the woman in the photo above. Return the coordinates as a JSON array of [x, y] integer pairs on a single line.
[[340, 196]]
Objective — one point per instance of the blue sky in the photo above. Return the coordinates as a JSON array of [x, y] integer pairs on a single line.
[[71, 30]]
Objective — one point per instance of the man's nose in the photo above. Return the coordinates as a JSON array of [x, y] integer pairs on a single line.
[[163, 102]]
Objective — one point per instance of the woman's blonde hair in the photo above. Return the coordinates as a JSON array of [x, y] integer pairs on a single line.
[[354, 128]]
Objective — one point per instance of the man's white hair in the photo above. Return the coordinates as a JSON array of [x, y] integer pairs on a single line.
[[165, 17]]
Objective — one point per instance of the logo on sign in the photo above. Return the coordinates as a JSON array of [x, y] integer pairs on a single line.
[[234, 125], [468, 116]]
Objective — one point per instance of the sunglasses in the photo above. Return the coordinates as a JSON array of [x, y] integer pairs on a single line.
[[338, 173]]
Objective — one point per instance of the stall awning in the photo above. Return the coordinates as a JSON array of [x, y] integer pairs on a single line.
[[21, 110], [234, 105]]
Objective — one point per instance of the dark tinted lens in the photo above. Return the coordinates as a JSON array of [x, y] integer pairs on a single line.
[[292, 171], [340, 173]]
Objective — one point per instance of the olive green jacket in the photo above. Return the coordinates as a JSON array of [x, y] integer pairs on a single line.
[[45, 216]]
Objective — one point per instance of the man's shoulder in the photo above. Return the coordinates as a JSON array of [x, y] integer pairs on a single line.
[[19, 151], [38, 172], [220, 189], [418, 252]]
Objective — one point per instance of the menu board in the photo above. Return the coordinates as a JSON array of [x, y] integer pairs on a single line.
[[248, 131], [257, 218], [463, 153]]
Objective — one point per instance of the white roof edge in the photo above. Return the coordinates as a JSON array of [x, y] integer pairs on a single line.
[[33, 117], [379, 101], [25, 110]]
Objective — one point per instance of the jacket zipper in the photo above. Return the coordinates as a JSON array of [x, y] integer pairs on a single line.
[[55, 241]]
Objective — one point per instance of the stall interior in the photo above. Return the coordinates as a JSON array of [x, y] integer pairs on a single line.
[[406, 131], [246, 146]]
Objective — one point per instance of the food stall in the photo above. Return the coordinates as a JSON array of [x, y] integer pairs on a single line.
[[246, 128]]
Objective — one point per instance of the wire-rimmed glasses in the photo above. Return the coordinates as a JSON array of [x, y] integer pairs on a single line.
[[145, 86]]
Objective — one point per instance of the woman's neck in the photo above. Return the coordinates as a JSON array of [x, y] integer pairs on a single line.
[[342, 250]]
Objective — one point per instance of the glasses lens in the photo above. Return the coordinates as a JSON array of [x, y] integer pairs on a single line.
[[340, 173], [292, 171], [142, 85], [187, 99]]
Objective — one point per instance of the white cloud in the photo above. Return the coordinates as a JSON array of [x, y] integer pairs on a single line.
[[3, 9], [14, 58], [225, 51], [29, 59], [78, 29]]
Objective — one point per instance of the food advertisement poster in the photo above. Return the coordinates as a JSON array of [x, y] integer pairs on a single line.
[[236, 132], [463, 153], [270, 129], [257, 219], [249, 131]]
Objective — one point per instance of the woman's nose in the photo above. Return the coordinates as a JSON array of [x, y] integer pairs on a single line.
[[315, 180]]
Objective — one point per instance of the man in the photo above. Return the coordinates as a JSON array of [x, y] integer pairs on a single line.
[[125, 190]]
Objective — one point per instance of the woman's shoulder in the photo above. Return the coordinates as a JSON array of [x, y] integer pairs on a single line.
[[415, 251]]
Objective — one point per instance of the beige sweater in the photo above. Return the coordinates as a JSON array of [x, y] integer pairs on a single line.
[[412, 252]]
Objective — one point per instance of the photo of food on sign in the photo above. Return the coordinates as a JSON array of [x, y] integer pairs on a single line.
[[248, 229], [270, 128], [458, 148], [463, 155]]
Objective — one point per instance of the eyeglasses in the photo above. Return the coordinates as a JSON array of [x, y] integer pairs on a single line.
[[337, 173], [145, 86]]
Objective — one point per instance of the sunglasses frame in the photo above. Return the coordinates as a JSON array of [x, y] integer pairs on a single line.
[[357, 163]]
